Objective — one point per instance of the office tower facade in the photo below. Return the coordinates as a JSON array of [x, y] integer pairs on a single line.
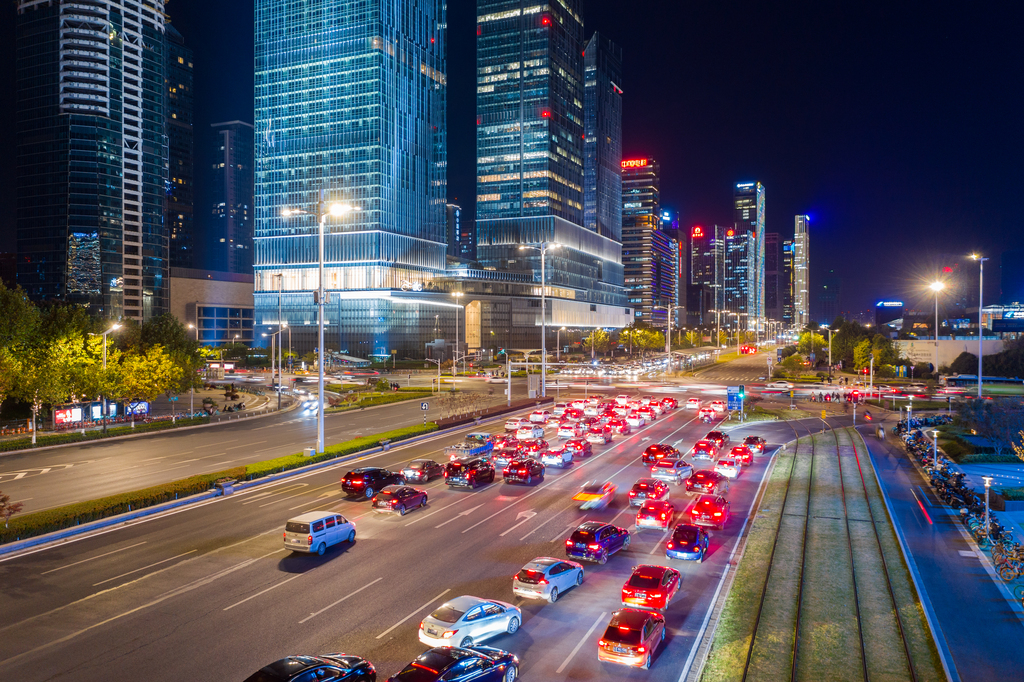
[[602, 145], [649, 253], [350, 103], [773, 299], [530, 162], [749, 204], [180, 218], [739, 294], [705, 301], [828, 295], [786, 283], [233, 188], [801, 272], [461, 235], [92, 155]]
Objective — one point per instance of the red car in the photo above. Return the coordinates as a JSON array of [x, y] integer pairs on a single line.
[[651, 587], [742, 454], [655, 514], [631, 637], [707, 481], [579, 447], [658, 451], [506, 442], [669, 403], [619, 425], [532, 446], [647, 489], [710, 510]]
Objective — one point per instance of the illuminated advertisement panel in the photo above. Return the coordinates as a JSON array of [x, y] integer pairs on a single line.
[[67, 415], [634, 163]]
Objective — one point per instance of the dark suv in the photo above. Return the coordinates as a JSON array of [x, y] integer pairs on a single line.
[[659, 451], [719, 438], [596, 541], [707, 481], [469, 473], [523, 470], [368, 480]]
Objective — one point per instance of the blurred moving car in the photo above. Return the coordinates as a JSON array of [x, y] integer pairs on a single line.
[[647, 489], [332, 667], [619, 426], [366, 481], [657, 451], [720, 438], [547, 578], [631, 637], [636, 419], [529, 432], [539, 416], [595, 495], [580, 447], [568, 429], [599, 434], [466, 620], [513, 424], [478, 663], [422, 471], [596, 541], [693, 404], [718, 406], [399, 499], [651, 587], [688, 542]]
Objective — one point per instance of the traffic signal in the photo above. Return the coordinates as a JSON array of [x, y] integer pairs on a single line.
[[855, 397], [864, 370], [742, 392]]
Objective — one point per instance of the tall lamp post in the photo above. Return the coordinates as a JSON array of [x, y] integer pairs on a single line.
[[279, 342], [981, 293], [322, 211], [543, 248], [668, 332], [455, 356], [937, 287], [114, 327], [191, 388], [558, 344]]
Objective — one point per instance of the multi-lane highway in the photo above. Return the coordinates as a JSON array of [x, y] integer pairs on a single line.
[[208, 592]]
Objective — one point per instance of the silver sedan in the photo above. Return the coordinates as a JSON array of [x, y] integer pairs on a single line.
[[465, 621], [546, 578]]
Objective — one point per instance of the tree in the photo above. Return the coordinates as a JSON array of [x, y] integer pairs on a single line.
[[862, 353], [8, 508], [812, 343], [598, 341], [693, 339], [143, 375], [10, 371], [20, 316], [53, 371]]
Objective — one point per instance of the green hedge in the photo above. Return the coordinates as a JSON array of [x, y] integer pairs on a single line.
[[1011, 494], [382, 399], [77, 437], [988, 458], [47, 521]]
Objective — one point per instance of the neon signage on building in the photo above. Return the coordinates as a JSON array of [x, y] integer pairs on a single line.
[[634, 163]]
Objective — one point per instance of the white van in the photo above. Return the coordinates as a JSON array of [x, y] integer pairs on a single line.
[[316, 531]]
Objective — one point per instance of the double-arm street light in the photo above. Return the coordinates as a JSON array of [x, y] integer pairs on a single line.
[[668, 332], [937, 287], [323, 210], [558, 344], [981, 293], [543, 248], [280, 383]]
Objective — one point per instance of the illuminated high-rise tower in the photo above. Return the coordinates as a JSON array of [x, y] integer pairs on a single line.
[[602, 147], [801, 272]]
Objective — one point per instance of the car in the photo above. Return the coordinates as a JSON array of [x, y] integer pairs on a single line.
[[466, 620], [573, 414], [514, 424], [539, 416], [634, 418], [559, 409], [366, 481], [531, 447], [621, 399], [718, 406], [316, 531], [501, 457], [505, 441], [333, 667], [707, 481], [592, 410], [422, 471], [599, 434], [707, 414], [469, 473], [622, 410], [646, 400], [580, 447], [595, 495], [657, 451], [619, 426], [578, 404], [651, 587], [569, 429], [709, 510], [631, 637], [784, 385], [688, 542], [596, 541], [655, 514], [523, 470], [648, 413], [756, 444], [728, 467], [529, 432], [742, 454], [647, 489], [672, 470], [720, 438], [547, 578], [669, 403], [399, 499], [560, 457], [704, 449], [553, 421], [477, 663], [658, 408], [693, 404]]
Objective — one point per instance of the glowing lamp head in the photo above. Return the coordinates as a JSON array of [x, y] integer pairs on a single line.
[[936, 286], [339, 209]]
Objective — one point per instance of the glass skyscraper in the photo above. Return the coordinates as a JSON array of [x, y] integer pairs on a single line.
[[180, 153], [649, 253], [350, 101], [801, 272], [602, 145], [232, 210], [745, 272], [92, 154]]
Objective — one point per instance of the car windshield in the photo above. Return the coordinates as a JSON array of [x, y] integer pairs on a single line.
[[644, 582], [591, 489], [447, 614], [622, 635], [293, 527], [529, 576], [643, 486], [685, 535]]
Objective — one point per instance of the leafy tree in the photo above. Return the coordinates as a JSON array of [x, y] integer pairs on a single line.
[[144, 375], [812, 343], [862, 353], [693, 339], [10, 371], [52, 372], [20, 316], [8, 508], [598, 340]]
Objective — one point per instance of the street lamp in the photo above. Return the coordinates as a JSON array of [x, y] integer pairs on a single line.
[[114, 327], [322, 211], [280, 383], [981, 293], [668, 333], [937, 287], [988, 485], [543, 248], [558, 344], [455, 355]]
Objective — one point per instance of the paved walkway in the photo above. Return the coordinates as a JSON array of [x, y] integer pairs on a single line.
[[981, 630]]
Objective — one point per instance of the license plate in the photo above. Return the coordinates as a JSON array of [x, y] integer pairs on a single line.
[[619, 650], [580, 545]]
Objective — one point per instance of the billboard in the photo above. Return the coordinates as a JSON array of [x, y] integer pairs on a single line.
[[141, 407], [67, 415]]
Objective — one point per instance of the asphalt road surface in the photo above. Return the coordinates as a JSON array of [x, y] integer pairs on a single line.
[[744, 369], [208, 592]]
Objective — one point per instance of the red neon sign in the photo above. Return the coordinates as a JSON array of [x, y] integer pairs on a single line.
[[729, 233], [634, 163], [697, 232]]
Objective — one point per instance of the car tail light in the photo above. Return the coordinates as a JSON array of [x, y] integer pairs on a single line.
[[448, 633], [594, 546], [393, 502], [632, 493], [663, 515], [718, 513], [309, 539], [505, 470], [542, 581], [641, 649], [601, 642], [695, 512], [286, 535], [671, 545], [568, 543]]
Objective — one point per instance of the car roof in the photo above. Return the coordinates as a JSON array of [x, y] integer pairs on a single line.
[[660, 504], [542, 563], [366, 470], [309, 517], [631, 618], [465, 602], [591, 526], [646, 481], [291, 665], [653, 570]]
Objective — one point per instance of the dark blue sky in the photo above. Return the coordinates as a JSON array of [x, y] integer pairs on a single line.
[[898, 128]]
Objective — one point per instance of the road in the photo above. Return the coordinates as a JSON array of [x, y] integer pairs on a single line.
[[744, 369], [209, 587]]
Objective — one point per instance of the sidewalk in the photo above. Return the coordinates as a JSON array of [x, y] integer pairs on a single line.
[[975, 623]]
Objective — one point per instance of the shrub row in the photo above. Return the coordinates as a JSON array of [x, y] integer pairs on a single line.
[[77, 436], [384, 399], [1011, 494], [989, 458], [50, 520]]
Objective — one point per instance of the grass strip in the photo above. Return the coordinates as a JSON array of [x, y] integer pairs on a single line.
[[50, 520], [380, 399], [79, 437]]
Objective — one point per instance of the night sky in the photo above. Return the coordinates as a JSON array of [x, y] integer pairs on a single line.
[[898, 129]]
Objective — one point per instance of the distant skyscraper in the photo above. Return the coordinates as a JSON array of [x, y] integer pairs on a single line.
[[350, 101], [801, 272], [233, 197], [786, 283], [602, 147], [707, 274], [92, 154], [180, 153], [461, 235], [750, 230], [829, 300], [773, 298], [649, 254]]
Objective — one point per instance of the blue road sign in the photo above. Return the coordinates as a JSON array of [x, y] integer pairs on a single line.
[[735, 399], [424, 406]]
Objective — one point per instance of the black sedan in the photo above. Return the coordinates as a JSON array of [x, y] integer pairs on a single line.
[[399, 499], [469, 473], [422, 470], [478, 663], [366, 481], [334, 667], [523, 470], [596, 541]]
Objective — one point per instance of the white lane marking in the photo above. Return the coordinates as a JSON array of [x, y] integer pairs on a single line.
[[293, 488], [560, 534], [580, 644], [350, 594], [544, 523], [318, 500], [413, 613], [661, 540], [145, 567], [417, 520], [967, 552], [456, 517], [98, 556], [300, 494], [272, 587], [525, 516], [246, 445]]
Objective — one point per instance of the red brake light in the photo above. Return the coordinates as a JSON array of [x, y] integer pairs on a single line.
[[623, 628], [663, 515], [695, 512], [718, 513], [671, 545], [594, 546], [309, 539], [543, 581], [286, 535], [568, 543], [641, 649]]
